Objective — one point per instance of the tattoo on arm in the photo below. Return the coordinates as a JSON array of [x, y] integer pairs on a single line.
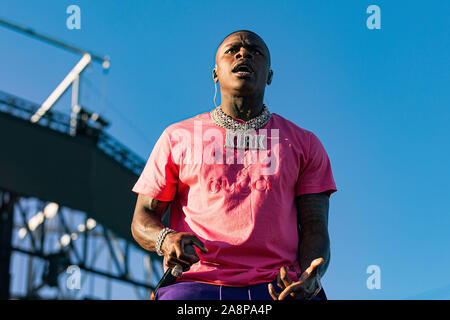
[[314, 240], [147, 221], [312, 211]]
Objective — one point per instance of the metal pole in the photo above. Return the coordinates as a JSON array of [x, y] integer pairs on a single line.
[[30, 32], [72, 76], [75, 105], [6, 227]]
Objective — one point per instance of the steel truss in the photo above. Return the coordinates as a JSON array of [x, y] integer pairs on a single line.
[[43, 243]]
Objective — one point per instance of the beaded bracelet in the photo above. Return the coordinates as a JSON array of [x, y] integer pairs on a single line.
[[159, 241]]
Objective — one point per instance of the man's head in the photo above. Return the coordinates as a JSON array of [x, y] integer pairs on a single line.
[[243, 64]]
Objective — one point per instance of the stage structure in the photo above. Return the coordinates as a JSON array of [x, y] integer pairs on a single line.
[[65, 200]]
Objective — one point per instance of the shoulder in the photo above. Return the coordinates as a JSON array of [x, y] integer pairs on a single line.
[[290, 129], [306, 139]]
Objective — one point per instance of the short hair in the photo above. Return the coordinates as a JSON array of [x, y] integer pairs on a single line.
[[248, 31]]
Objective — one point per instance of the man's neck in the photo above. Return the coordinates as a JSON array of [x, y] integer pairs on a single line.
[[244, 108]]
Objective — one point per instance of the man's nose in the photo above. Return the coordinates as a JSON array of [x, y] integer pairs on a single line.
[[243, 53]]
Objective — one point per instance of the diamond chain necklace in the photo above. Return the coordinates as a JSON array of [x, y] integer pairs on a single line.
[[239, 130], [223, 120]]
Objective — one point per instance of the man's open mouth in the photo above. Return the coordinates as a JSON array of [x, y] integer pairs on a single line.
[[243, 69]]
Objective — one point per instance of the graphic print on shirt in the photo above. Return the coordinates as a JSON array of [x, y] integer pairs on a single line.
[[215, 146]]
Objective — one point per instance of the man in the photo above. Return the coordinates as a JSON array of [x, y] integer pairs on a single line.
[[248, 188]]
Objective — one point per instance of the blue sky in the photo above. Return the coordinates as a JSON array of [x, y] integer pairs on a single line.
[[377, 99]]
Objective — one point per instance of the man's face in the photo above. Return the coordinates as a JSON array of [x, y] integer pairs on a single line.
[[242, 64]]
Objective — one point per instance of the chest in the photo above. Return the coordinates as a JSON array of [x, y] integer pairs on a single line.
[[229, 170]]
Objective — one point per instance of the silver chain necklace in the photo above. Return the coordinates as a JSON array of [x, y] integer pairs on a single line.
[[240, 130]]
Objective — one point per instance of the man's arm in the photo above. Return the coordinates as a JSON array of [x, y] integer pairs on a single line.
[[314, 241], [313, 252], [146, 226], [147, 221]]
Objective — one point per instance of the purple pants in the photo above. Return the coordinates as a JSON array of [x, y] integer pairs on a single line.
[[189, 290]]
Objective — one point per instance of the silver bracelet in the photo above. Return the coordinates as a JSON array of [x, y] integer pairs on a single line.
[[159, 241]]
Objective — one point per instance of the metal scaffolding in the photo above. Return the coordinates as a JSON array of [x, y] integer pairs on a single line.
[[53, 252], [49, 251]]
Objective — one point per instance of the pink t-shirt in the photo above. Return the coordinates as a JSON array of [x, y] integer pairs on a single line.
[[239, 203]]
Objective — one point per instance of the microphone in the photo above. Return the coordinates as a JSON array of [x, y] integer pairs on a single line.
[[171, 274]]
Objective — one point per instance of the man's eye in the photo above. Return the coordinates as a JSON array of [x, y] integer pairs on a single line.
[[256, 51]]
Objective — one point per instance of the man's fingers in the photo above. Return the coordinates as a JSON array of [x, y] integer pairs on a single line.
[[311, 270], [316, 262], [304, 276], [279, 282], [288, 291], [272, 292], [196, 241], [179, 258], [304, 286], [284, 276], [189, 253]]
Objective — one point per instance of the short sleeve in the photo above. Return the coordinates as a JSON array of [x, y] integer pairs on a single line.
[[159, 179], [316, 175]]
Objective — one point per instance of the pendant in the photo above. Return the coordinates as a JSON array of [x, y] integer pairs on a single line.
[[242, 141]]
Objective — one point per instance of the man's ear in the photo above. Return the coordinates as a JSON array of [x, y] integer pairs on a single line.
[[269, 78], [214, 73]]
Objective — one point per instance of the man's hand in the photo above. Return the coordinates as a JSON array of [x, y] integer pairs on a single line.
[[306, 287], [174, 249]]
